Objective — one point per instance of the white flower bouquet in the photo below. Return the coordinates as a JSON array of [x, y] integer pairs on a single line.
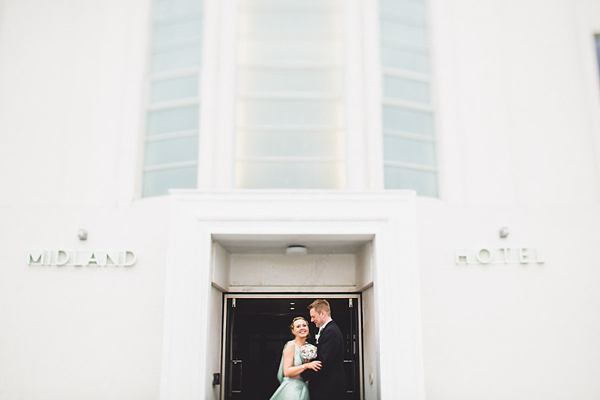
[[308, 352]]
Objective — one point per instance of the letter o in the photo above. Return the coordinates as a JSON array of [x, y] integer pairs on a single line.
[[484, 261]]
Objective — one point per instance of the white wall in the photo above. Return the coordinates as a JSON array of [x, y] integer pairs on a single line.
[[81, 332], [311, 272], [71, 80], [518, 331], [515, 121], [519, 141], [71, 93], [519, 133]]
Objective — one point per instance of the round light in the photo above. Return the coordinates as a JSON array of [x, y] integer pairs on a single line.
[[296, 250]]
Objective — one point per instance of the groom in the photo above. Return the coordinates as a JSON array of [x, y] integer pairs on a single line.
[[329, 383]]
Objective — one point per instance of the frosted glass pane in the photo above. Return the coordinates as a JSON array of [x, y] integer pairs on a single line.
[[289, 175], [405, 33], [174, 59], [293, 80], [405, 8], [174, 89], [289, 112], [177, 32], [274, 50], [171, 150], [157, 183], [424, 182], [290, 22], [288, 144], [406, 89], [313, 4], [176, 8], [407, 120], [173, 120], [409, 151], [407, 59]]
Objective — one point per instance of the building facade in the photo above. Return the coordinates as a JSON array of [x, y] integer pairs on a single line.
[[182, 177]]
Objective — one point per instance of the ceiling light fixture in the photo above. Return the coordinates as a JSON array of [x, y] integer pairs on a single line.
[[296, 250]]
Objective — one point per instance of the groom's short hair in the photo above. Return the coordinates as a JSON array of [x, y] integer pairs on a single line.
[[320, 305]]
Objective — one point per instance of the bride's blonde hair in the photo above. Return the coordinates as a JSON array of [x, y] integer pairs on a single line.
[[296, 319]]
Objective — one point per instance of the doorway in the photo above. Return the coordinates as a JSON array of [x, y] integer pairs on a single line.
[[256, 328]]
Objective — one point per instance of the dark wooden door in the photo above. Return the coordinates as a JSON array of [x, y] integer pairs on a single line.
[[257, 330]]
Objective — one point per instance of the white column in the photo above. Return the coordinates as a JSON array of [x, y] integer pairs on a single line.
[[372, 82], [354, 89]]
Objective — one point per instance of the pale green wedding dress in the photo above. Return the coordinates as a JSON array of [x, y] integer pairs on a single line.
[[291, 388]]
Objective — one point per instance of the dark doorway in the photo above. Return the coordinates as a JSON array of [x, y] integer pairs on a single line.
[[257, 330]]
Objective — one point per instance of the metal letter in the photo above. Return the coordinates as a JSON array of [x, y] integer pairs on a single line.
[[460, 254], [484, 261], [538, 258], [57, 258], [92, 259], [132, 260], [505, 252], [111, 258], [76, 259], [523, 255], [38, 260]]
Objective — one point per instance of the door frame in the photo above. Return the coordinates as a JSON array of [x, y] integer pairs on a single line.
[[224, 338], [193, 291]]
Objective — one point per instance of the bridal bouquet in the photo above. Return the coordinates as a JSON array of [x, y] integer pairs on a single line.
[[308, 352]]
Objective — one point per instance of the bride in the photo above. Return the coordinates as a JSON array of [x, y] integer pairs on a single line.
[[292, 365]]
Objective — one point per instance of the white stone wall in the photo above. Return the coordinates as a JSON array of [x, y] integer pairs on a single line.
[[518, 331], [518, 101], [519, 129], [71, 79], [519, 139]]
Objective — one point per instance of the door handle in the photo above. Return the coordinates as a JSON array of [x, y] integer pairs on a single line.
[[350, 363], [236, 377]]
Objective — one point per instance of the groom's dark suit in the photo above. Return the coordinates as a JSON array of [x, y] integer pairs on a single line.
[[329, 383]]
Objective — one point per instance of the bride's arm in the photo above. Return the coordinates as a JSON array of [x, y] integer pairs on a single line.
[[288, 360]]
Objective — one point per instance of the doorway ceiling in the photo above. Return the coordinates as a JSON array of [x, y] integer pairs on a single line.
[[277, 244]]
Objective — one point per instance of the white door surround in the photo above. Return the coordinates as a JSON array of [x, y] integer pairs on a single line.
[[214, 236]]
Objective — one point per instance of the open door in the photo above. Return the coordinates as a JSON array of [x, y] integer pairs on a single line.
[[256, 330]]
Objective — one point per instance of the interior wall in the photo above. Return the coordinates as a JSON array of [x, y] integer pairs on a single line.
[[215, 331], [364, 267], [370, 346], [220, 267], [304, 273]]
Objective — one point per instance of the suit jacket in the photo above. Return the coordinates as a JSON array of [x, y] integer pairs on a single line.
[[329, 383]]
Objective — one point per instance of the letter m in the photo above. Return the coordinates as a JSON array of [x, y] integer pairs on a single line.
[[36, 258]]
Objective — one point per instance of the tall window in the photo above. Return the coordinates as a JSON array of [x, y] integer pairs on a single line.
[[171, 140], [289, 109], [408, 118]]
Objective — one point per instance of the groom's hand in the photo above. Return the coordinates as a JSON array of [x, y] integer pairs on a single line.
[[314, 365]]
